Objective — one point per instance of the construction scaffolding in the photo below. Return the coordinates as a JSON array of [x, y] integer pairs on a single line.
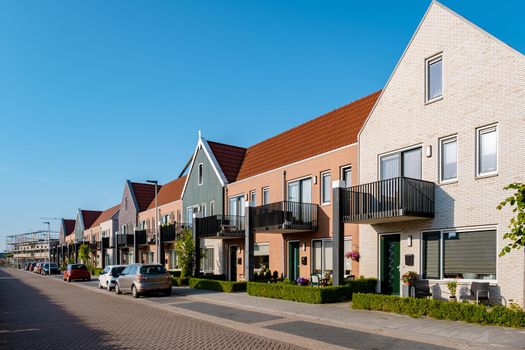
[[31, 247]]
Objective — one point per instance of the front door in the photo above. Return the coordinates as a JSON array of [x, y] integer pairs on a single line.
[[233, 263], [293, 260], [390, 279]]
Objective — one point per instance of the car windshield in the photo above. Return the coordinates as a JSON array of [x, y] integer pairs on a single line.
[[78, 267], [116, 271], [152, 270]]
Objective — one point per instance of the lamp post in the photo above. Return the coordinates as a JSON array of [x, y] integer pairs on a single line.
[[48, 245], [157, 236]]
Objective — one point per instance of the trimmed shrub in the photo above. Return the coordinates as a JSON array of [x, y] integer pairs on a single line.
[[95, 271], [180, 281], [211, 276], [441, 310], [312, 295], [217, 285]]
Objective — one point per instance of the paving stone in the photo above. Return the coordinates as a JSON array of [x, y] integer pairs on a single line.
[[228, 312]]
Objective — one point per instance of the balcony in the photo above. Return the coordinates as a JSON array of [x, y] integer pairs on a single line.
[[145, 237], [392, 200], [285, 217], [221, 226], [125, 240], [170, 233]]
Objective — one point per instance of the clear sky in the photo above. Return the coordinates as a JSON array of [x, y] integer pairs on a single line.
[[96, 92]]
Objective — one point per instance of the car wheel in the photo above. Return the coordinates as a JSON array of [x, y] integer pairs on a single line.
[[134, 292], [117, 289], [108, 287], [167, 292], [99, 285]]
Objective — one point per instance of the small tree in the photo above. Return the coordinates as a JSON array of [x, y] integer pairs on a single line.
[[185, 248], [517, 223], [83, 253]]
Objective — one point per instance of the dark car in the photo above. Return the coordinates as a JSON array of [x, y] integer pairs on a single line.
[[77, 272], [26, 266], [31, 266], [50, 269]]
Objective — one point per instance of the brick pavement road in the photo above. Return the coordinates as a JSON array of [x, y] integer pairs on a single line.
[[39, 313]]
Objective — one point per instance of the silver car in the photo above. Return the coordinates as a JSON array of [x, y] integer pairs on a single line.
[[108, 277], [138, 279]]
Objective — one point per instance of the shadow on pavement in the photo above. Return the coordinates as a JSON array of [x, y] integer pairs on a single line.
[[27, 317]]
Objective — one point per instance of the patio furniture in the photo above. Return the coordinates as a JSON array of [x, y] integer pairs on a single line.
[[315, 280], [479, 291], [421, 289]]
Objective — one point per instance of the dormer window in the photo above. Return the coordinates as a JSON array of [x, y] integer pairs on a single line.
[[200, 173], [434, 78]]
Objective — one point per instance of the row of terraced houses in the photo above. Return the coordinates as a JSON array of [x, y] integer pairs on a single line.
[[407, 178]]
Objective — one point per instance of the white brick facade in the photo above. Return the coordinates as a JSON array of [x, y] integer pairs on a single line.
[[483, 83]]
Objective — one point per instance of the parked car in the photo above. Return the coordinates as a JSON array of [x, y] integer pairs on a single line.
[[139, 279], [77, 272], [50, 269], [108, 276], [31, 266], [37, 268], [27, 266]]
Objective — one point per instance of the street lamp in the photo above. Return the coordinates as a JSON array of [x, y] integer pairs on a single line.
[[157, 236], [48, 245]]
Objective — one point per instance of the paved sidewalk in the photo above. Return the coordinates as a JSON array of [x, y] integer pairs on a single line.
[[435, 331]]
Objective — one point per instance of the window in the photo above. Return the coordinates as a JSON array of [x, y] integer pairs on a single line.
[[191, 211], [462, 255], [449, 159], [322, 256], [261, 252], [346, 176], [236, 205], [178, 216], [253, 198], [434, 84], [266, 195], [200, 173], [212, 208], [165, 219], [406, 163], [300, 191], [150, 257], [207, 259], [173, 263], [325, 188], [487, 147], [123, 229]]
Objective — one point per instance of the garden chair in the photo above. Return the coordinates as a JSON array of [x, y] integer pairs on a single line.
[[421, 289], [479, 291], [315, 280]]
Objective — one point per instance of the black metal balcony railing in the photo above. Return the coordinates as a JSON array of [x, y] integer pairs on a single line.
[[125, 239], [145, 237], [284, 217], [105, 242], [171, 232], [397, 199], [221, 226]]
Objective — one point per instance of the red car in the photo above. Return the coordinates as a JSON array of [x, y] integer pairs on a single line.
[[77, 272]]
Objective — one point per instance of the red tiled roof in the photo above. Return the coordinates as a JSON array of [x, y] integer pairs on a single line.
[[70, 226], [89, 217], [144, 194], [229, 158], [325, 133], [169, 192], [106, 215]]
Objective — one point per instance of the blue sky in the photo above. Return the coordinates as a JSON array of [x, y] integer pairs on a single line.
[[96, 92]]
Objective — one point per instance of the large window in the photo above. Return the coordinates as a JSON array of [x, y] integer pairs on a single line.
[[406, 163], [459, 255], [322, 256], [253, 198], [487, 146], [434, 78], [261, 252], [449, 159], [236, 205], [325, 188], [173, 263], [207, 260], [300, 191], [346, 176], [266, 196]]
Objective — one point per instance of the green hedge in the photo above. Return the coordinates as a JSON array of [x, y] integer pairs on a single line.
[[312, 295], [174, 273], [95, 271], [441, 310], [220, 286], [180, 281]]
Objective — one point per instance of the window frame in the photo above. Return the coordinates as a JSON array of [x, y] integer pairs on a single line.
[[200, 174], [428, 62], [251, 194], [342, 175], [323, 267], [265, 190], [323, 189], [212, 207], [442, 142], [401, 163], [300, 181], [480, 131], [442, 232]]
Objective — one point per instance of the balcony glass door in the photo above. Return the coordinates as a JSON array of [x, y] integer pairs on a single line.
[[236, 206], [299, 191], [406, 163]]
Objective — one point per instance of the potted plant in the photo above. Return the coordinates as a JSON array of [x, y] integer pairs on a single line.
[[409, 278], [302, 281], [353, 254], [452, 287]]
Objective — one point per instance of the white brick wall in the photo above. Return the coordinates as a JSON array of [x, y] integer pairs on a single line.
[[484, 83]]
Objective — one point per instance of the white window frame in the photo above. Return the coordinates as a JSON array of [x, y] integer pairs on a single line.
[[442, 142], [400, 152], [343, 169], [323, 240], [265, 190], [204, 211], [428, 62], [200, 174], [479, 132], [441, 251], [253, 193], [212, 207], [323, 189]]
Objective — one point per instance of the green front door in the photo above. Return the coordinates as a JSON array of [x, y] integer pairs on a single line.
[[293, 260], [390, 279]]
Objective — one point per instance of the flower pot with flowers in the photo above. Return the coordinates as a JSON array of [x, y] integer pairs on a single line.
[[353, 254], [301, 281], [409, 278]]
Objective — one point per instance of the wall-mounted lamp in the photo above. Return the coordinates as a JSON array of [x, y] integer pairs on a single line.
[[303, 246], [428, 151], [314, 180], [409, 241]]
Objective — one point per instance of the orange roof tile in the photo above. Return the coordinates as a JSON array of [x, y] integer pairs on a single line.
[[229, 158], [169, 192], [325, 133], [144, 194]]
